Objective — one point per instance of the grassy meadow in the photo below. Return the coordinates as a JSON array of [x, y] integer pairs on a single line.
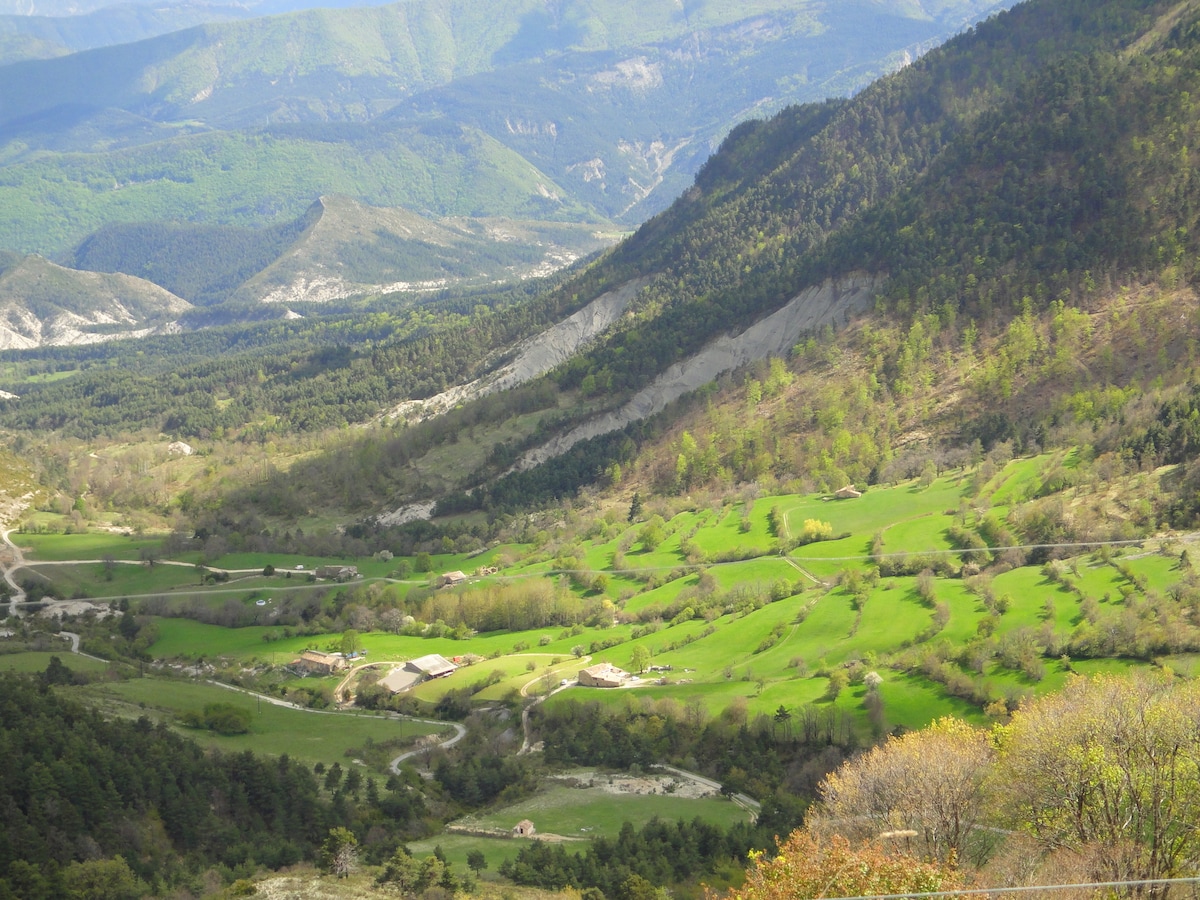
[[722, 605]]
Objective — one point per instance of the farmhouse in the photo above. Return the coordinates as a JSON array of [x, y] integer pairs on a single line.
[[432, 666], [524, 828], [450, 579], [317, 662], [337, 573], [848, 493], [604, 675]]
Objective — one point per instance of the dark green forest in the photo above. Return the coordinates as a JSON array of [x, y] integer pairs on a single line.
[[86, 793]]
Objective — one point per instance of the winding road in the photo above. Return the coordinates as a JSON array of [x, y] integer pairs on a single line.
[[12, 559]]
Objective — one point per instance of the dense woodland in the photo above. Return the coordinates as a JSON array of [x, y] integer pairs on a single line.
[[86, 796]]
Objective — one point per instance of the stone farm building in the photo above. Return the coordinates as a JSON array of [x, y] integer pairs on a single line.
[[604, 675], [451, 579], [316, 662], [337, 573], [524, 828], [432, 666]]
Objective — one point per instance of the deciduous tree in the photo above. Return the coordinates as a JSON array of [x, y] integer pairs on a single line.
[[1113, 763], [809, 866], [931, 782]]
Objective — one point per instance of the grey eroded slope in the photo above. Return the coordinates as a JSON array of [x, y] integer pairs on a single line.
[[534, 357], [774, 335]]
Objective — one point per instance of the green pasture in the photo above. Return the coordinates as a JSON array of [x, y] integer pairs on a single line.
[[599, 811], [661, 596], [1027, 590], [894, 613], [763, 655], [1096, 579], [876, 509], [122, 579], [187, 639], [1019, 480], [33, 661], [826, 559], [92, 545], [919, 535], [965, 610], [307, 735], [726, 536], [513, 671], [456, 847], [1160, 572], [912, 701]]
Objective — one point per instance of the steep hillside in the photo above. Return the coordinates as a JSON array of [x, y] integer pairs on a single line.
[[353, 250], [1002, 168], [45, 36], [42, 304]]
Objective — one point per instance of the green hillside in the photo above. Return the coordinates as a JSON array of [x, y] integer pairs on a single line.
[[337, 248]]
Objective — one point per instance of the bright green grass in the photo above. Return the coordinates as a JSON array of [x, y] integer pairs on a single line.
[[308, 736], [733, 644], [1019, 480], [93, 545], [514, 673], [545, 674], [893, 614], [914, 701], [1091, 667], [595, 811], [877, 508], [661, 596], [1096, 579], [727, 536], [919, 535], [825, 631], [456, 847], [965, 610], [1027, 589], [1160, 572], [36, 661], [185, 638], [764, 572], [826, 559], [90, 579]]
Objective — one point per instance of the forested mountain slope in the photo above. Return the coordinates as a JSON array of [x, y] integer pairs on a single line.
[[1041, 156], [1000, 168]]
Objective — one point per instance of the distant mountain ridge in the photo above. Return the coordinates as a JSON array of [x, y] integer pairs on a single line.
[[585, 113], [339, 248]]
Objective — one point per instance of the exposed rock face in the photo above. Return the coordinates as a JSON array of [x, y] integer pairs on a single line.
[[43, 304], [535, 356], [815, 307]]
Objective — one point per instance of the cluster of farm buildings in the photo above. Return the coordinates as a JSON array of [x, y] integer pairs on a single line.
[[434, 665]]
